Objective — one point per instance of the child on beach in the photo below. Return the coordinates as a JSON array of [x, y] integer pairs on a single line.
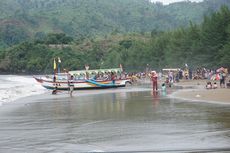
[[209, 85], [214, 85], [167, 82], [163, 87], [228, 84]]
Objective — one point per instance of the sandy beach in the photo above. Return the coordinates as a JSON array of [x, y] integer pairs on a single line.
[[199, 93]]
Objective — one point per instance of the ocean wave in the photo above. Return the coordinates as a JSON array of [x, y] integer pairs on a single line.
[[13, 87]]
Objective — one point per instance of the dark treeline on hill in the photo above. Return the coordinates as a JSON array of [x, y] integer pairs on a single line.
[[205, 44], [23, 20]]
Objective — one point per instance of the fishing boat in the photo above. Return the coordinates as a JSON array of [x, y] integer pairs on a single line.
[[85, 79]]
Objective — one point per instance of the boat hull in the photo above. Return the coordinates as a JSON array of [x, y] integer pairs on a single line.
[[82, 84]]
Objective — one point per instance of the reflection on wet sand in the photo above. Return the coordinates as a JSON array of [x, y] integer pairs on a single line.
[[155, 98]]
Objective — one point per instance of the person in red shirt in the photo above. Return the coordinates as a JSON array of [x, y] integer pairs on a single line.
[[154, 80]]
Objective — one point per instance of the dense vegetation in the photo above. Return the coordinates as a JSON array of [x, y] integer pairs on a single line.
[[132, 43], [22, 20], [207, 45]]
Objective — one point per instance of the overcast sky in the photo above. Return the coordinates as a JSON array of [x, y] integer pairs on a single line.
[[172, 1]]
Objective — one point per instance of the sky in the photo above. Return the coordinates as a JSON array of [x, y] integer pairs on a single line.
[[172, 1]]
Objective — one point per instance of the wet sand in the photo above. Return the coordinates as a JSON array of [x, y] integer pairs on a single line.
[[113, 121], [131, 119], [199, 93]]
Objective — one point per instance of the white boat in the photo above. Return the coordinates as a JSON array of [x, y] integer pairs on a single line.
[[80, 80]]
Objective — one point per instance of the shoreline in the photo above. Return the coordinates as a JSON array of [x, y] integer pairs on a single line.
[[199, 94], [192, 90], [76, 94]]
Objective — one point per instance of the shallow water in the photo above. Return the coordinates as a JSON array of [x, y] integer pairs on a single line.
[[113, 122]]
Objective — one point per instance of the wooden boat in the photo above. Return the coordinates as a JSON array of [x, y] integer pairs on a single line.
[[80, 82]]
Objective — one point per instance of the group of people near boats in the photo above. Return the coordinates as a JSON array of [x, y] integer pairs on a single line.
[[171, 76], [220, 75], [70, 84], [169, 80], [175, 75]]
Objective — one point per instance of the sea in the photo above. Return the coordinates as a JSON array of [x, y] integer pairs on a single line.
[[13, 87]]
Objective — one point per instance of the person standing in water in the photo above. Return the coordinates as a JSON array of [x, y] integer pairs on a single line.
[[71, 85], [55, 86], [154, 80]]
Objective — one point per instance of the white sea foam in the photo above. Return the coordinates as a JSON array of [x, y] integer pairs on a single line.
[[13, 87]]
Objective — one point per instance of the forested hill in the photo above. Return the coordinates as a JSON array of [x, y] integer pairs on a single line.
[[206, 44], [25, 19]]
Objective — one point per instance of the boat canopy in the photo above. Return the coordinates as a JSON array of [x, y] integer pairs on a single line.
[[171, 69], [83, 72]]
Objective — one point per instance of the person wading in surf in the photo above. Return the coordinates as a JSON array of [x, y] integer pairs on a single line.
[[71, 85], [154, 80]]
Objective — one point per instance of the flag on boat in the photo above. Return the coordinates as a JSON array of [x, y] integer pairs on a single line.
[[86, 67], [55, 65], [59, 60], [121, 67]]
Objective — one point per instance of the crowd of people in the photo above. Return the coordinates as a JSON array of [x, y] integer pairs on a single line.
[[175, 75], [168, 77]]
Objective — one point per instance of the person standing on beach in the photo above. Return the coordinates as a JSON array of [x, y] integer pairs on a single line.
[[71, 85], [222, 79], [154, 80]]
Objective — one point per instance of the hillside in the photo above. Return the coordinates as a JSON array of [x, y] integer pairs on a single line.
[[24, 19], [206, 44]]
